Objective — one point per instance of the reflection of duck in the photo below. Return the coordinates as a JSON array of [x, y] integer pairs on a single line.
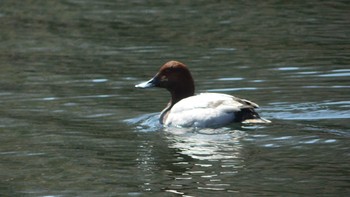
[[203, 110], [204, 146]]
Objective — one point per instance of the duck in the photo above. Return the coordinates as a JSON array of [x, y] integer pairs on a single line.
[[205, 110]]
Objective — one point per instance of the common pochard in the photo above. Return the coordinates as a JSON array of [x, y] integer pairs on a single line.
[[204, 110]]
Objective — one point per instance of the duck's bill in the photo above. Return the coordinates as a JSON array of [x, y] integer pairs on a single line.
[[147, 84]]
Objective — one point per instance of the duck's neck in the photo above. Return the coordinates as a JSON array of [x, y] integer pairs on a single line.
[[181, 93], [176, 96]]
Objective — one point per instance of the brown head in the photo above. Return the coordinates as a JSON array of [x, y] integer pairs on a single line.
[[175, 77]]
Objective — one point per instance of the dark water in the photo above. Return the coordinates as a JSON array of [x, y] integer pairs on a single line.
[[72, 123]]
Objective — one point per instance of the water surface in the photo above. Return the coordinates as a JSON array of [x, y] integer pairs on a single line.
[[72, 123]]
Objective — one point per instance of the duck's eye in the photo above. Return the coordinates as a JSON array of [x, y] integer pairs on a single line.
[[164, 78]]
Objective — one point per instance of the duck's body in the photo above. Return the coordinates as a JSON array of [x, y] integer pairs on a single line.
[[209, 110], [204, 110]]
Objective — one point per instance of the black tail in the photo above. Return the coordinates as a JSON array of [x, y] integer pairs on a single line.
[[249, 115]]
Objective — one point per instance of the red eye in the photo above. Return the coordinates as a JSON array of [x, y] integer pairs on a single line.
[[164, 78]]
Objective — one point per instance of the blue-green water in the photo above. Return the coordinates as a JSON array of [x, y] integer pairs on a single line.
[[72, 123]]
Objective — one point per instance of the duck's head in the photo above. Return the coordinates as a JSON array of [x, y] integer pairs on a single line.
[[175, 77]]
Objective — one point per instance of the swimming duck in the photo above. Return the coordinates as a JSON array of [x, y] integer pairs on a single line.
[[203, 110]]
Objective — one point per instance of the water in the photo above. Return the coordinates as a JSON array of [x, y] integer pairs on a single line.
[[72, 123]]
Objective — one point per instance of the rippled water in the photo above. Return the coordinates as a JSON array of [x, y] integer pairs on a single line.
[[72, 123]]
